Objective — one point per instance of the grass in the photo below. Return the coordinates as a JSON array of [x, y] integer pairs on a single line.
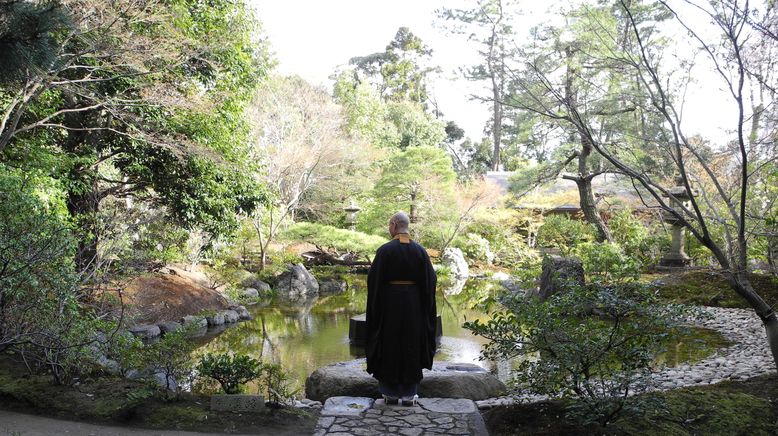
[[119, 401]]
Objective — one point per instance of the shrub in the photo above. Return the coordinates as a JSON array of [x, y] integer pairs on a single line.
[[505, 230], [277, 384], [564, 233], [606, 263], [596, 361], [640, 241], [40, 298], [171, 357], [230, 371]]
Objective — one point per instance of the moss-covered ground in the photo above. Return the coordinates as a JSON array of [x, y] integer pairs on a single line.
[[118, 401], [730, 408], [710, 288]]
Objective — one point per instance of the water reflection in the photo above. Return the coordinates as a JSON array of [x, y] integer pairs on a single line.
[[314, 333]]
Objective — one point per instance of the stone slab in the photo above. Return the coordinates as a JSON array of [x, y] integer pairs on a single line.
[[346, 406], [445, 380], [237, 403], [447, 405]]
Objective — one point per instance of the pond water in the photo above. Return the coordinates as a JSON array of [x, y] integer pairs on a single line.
[[306, 336]]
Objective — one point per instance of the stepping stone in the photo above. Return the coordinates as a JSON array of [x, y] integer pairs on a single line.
[[448, 405], [346, 406]]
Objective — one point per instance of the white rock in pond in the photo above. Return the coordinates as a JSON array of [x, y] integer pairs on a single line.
[[455, 261]]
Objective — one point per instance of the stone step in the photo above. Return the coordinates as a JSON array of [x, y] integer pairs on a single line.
[[430, 416]]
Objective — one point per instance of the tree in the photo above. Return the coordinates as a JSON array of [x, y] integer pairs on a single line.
[[488, 23], [399, 72], [419, 180], [391, 124], [302, 148], [722, 208], [136, 99]]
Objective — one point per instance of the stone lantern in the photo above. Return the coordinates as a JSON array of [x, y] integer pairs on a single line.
[[675, 255], [351, 215]]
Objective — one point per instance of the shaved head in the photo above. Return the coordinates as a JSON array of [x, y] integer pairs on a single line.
[[401, 222]]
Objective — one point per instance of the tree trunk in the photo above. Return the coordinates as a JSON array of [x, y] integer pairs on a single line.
[[584, 179], [740, 283], [589, 209], [83, 207], [412, 212], [497, 128]]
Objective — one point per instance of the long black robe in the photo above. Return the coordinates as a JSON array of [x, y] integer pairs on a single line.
[[401, 318]]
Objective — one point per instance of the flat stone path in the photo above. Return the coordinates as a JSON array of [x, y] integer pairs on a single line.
[[343, 416]]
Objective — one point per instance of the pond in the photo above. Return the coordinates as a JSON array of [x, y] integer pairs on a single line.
[[307, 336]]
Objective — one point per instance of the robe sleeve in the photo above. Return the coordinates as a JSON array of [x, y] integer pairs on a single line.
[[430, 311], [373, 315]]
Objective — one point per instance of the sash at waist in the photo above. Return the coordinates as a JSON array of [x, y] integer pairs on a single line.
[[401, 282]]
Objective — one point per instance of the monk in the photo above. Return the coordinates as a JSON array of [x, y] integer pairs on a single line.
[[401, 314]]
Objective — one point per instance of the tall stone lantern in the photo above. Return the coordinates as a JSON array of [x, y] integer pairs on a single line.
[[675, 255], [351, 215]]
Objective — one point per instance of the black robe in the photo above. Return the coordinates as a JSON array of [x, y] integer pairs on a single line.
[[401, 318]]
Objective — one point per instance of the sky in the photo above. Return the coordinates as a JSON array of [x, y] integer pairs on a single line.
[[313, 38]]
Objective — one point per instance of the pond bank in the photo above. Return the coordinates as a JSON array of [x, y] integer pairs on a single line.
[[747, 357]]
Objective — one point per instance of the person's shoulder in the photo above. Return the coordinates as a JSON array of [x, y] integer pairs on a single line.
[[419, 247], [387, 246]]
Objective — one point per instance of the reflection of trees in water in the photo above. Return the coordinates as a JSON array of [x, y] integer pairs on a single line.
[[313, 333]]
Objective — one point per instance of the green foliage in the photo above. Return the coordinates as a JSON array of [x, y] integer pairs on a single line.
[[395, 124], [278, 384], [40, 313], [397, 72], [604, 262], [230, 371], [566, 350], [640, 241], [171, 356], [340, 240], [417, 179], [564, 234], [505, 229]]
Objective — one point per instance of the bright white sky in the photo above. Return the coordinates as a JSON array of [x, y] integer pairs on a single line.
[[312, 38]]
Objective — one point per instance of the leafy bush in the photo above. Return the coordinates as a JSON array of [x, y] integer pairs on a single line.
[[277, 384], [505, 230], [40, 311], [606, 263], [639, 241], [230, 371], [596, 361], [340, 240], [564, 233]]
